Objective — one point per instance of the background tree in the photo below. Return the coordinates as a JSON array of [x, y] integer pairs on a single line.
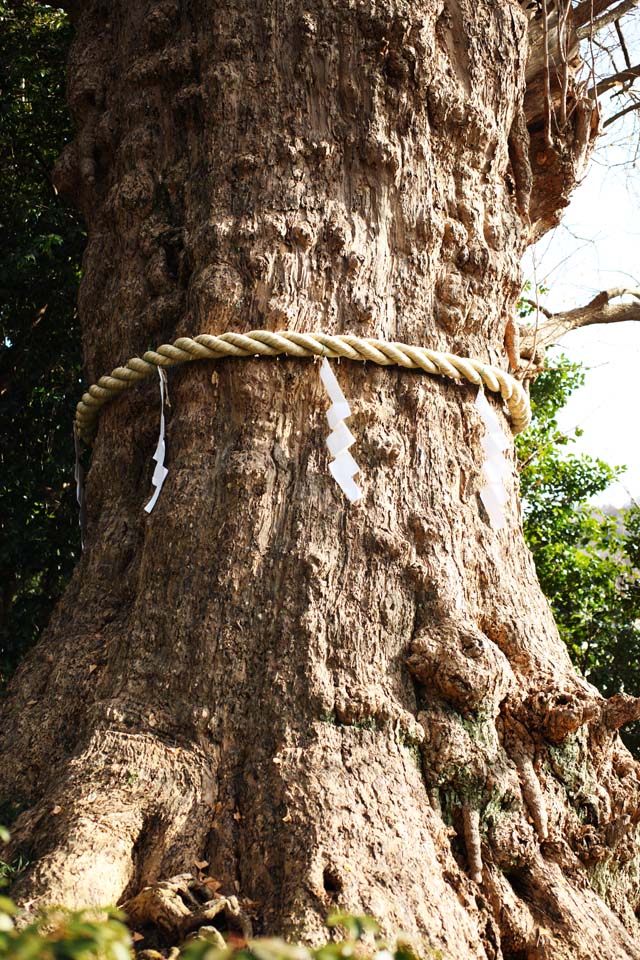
[[585, 558], [41, 243], [319, 705]]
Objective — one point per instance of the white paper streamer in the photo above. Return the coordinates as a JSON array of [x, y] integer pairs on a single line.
[[78, 475], [343, 467], [160, 472], [495, 467]]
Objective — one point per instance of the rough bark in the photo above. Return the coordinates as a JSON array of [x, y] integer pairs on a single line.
[[364, 706]]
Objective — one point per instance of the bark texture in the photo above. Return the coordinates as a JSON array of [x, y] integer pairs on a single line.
[[367, 707]]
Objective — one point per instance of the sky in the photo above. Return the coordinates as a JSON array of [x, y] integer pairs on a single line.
[[597, 247]]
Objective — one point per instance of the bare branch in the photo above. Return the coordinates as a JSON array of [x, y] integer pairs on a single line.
[[621, 113], [603, 48], [623, 44], [537, 306], [589, 9], [624, 76], [583, 15], [598, 310]]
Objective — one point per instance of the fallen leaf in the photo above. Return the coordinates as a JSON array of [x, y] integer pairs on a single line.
[[201, 864], [237, 815], [93, 667], [287, 819], [56, 810], [212, 884], [137, 937]]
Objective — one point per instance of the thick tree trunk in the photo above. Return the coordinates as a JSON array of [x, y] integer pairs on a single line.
[[366, 706]]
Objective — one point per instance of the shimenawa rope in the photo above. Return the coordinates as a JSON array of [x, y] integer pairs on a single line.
[[267, 344]]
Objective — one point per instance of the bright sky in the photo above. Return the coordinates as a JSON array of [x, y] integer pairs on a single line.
[[598, 247]]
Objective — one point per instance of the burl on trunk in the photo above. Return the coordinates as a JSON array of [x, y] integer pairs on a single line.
[[365, 706]]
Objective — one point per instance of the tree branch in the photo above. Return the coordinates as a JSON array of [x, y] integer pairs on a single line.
[[537, 306], [624, 76], [584, 12], [621, 113], [598, 310], [623, 44]]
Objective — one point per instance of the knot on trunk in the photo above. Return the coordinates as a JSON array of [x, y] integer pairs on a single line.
[[461, 664], [559, 714], [619, 710]]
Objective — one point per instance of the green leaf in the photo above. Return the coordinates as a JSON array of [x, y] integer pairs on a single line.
[[587, 562], [356, 926], [277, 949]]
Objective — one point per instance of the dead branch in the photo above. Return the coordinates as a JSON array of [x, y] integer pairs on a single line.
[[584, 13], [623, 44], [621, 113], [598, 310], [589, 10], [623, 76], [537, 306]]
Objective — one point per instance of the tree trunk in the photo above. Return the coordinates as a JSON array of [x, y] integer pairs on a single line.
[[365, 706]]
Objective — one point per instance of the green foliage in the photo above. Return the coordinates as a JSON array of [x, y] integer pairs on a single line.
[[102, 935], [588, 563], [527, 306], [362, 943], [10, 871], [64, 935], [41, 245], [357, 927]]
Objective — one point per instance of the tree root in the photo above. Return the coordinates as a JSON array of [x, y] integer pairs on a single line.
[[471, 822], [533, 796], [183, 904]]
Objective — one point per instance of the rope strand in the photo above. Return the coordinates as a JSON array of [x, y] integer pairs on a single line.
[[268, 344]]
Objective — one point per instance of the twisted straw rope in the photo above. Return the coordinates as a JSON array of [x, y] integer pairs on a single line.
[[266, 344]]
